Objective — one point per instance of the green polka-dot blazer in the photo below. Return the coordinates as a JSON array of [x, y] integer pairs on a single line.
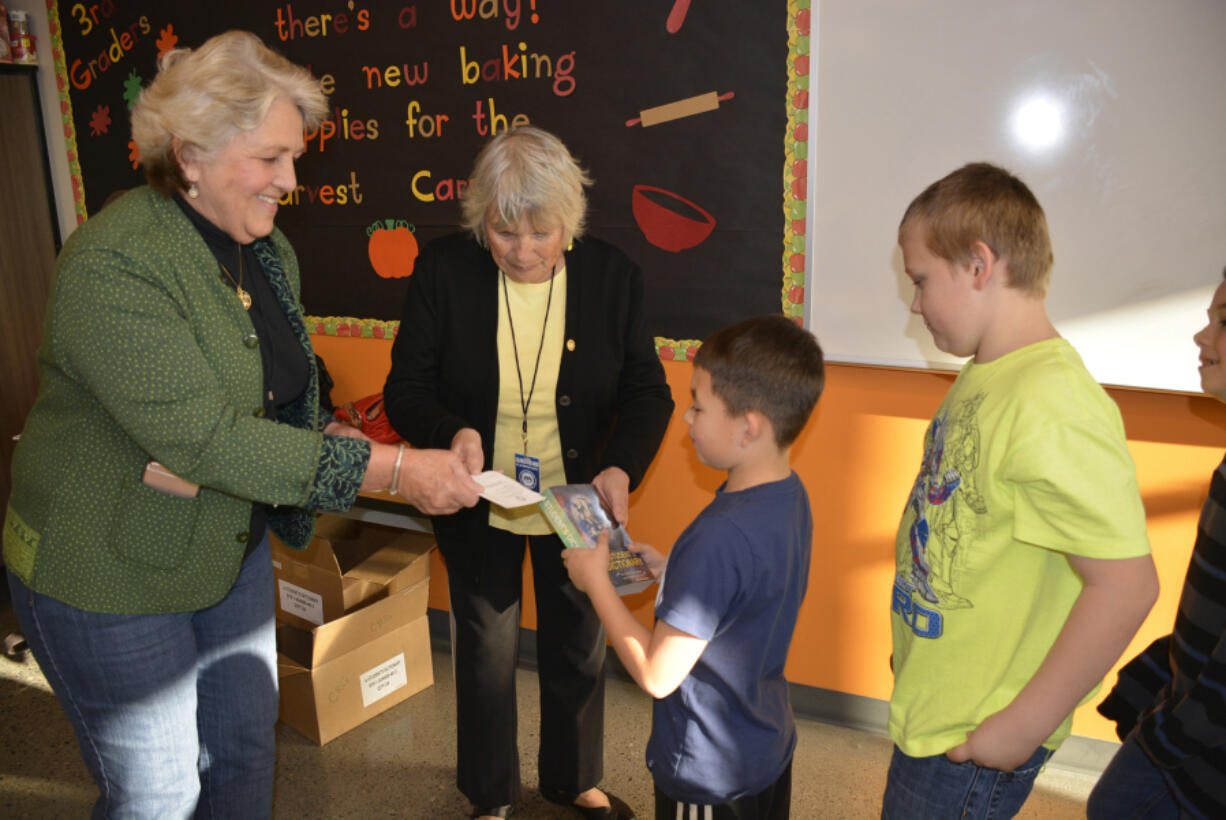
[[147, 354]]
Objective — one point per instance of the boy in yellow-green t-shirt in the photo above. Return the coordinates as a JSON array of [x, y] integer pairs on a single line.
[[1023, 566]]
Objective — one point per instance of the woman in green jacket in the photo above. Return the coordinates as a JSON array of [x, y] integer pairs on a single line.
[[178, 421]]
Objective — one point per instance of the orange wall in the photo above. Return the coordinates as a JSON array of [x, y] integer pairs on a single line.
[[858, 457]]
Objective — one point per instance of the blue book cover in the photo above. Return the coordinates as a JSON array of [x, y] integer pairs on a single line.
[[578, 516]]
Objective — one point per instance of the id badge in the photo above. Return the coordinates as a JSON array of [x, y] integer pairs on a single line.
[[528, 471]]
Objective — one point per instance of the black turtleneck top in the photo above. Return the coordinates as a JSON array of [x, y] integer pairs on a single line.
[[285, 365]]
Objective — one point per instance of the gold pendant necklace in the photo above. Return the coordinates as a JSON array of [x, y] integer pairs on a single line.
[[243, 296]]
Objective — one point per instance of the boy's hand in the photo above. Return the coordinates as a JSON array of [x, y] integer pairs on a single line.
[[587, 567], [995, 744], [653, 558], [1115, 597]]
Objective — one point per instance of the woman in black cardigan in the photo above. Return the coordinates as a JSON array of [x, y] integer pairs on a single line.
[[522, 349]]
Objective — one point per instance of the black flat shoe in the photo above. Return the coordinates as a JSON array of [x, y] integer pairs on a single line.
[[616, 810], [492, 811]]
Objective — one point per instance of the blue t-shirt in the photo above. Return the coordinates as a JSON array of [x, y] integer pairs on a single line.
[[736, 579]]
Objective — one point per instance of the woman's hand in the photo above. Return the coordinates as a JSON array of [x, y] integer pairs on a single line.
[[613, 486], [588, 567], [436, 482], [652, 557], [466, 444], [339, 428]]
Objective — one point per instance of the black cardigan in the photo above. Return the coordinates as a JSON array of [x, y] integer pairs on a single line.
[[612, 401]]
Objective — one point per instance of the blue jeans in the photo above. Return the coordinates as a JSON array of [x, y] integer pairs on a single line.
[[1131, 788], [936, 788], [175, 714]]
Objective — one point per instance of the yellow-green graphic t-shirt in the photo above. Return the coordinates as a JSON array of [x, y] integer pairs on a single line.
[[1024, 464]]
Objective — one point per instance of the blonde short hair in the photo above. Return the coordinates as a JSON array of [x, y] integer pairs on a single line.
[[526, 172], [980, 202], [204, 97]]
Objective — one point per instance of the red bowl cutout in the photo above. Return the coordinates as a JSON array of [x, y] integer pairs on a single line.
[[666, 228]]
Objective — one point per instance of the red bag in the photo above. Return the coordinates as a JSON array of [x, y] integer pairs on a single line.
[[367, 415]]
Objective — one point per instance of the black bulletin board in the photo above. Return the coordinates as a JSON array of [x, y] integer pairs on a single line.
[[709, 201]]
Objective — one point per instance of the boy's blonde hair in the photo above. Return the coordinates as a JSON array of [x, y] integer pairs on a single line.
[[980, 202]]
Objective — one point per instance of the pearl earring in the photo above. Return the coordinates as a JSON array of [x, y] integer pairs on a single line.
[[193, 192]]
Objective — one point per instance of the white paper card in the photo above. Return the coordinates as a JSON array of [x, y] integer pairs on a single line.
[[505, 491], [301, 602], [380, 681]]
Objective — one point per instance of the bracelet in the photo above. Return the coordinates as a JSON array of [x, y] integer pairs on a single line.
[[396, 472]]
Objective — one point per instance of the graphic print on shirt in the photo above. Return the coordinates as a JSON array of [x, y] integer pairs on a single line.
[[941, 519]]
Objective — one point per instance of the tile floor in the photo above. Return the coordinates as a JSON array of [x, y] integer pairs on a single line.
[[400, 764]]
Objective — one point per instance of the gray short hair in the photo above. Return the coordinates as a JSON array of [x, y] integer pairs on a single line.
[[205, 96], [526, 172]]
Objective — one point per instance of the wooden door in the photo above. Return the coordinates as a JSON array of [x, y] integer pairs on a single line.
[[28, 240]]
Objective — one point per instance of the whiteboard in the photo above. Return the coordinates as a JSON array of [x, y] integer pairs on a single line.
[[1112, 111]]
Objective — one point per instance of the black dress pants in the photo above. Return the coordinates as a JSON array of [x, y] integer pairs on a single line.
[[485, 614]]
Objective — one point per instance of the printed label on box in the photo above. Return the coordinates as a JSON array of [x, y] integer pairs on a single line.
[[382, 680], [301, 602]]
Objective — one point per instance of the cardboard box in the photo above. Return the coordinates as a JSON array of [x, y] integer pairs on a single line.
[[349, 563], [352, 638], [338, 675]]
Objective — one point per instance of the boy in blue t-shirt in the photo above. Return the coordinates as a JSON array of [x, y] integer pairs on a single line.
[[722, 732]]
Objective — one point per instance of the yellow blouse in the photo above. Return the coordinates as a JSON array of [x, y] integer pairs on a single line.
[[527, 303]]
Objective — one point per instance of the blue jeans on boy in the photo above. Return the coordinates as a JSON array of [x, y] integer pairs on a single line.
[[1132, 788], [175, 714], [936, 788]]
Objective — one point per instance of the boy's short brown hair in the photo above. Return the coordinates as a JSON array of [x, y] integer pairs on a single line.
[[768, 364], [981, 202]]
